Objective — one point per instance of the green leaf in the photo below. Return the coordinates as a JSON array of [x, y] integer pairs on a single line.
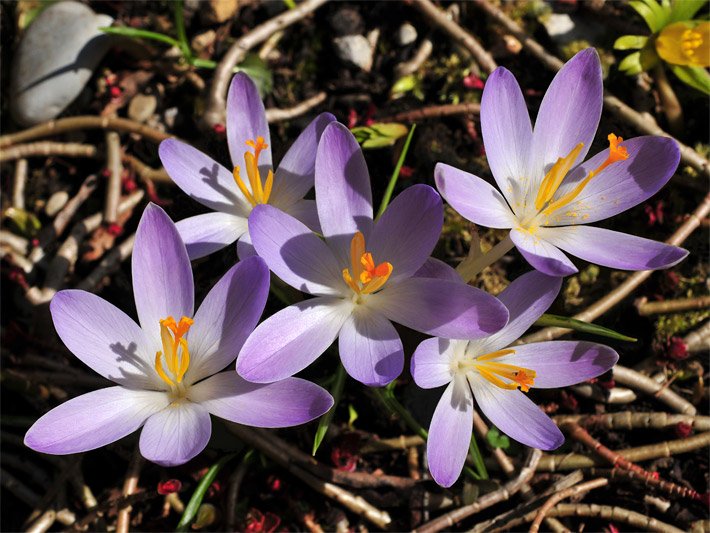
[[548, 320], [136, 33], [379, 135], [696, 77], [352, 415], [630, 42], [497, 439], [25, 221], [336, 392], [631, 64], [395, 175], [404, 84], [685, 9], [196, 500], [652, 13], [258, 70]]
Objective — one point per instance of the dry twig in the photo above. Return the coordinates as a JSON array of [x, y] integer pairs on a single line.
[[279, 115], [216, 102], [438, 18], [631, 420], [18, 184], [502, 494], [636, 380], [47, 148], [646, 308], [113, 165], [130, 484], [559, 496]]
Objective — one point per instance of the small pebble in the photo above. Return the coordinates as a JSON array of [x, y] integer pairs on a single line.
[[55, 203], [406, 34], [354, 49], [142, 107], [54, 60]]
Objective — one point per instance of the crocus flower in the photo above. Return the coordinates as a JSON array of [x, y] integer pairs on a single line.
[[491, 371], [548, 192], [234, 193], [167, 369], [362, 276]]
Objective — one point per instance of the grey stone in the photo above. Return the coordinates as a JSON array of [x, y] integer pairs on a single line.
[[354, 49], [406, 34], [55, 59]]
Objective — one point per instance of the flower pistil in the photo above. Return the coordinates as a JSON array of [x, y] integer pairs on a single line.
[[260, 192], [175, 350], [366, 276]]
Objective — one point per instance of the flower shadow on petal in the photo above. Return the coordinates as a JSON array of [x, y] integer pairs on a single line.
[[129, 354], [313, 268], [209, 177]]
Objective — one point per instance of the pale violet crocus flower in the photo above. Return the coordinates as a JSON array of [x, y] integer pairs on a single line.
[[233, 193], [363, 275], [495, 375], [548, 191], [167, 370]]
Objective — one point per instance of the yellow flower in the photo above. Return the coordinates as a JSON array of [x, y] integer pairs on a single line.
[[684, 43]]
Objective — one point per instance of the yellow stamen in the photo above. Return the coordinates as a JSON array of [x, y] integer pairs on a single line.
[[496, 372], [366, 276], [553, 179], [175, 350], [616, 153], [260, 192]]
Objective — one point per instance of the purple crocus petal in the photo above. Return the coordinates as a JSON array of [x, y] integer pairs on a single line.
[[296, 173], [227, 317], [176, 434], [343, 192], [473, 198], [104, 338], [205, 234], [202, 178], [526, 298], [507, 135], [436, 268], [651, 163], [408, 230], [294, 253], [289, 402], [542, 255], [450, 433], [307, 212], [562, 363], [431, 361], [245, 248], [614, 249], [516, 415], [93, 420], [569, 113], [246, 120], [290, 340], [441, 308], [162, 276], [370, 348]]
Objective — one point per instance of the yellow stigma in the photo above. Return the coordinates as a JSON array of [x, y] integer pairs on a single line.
[[366, 276], [260, 192], [685, 43], [497, 372], [544, 202], [175, 350]]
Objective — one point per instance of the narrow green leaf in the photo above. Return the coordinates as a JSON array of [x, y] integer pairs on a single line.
[[696, 77], [395, 175], [196, 500], [631, 64], [336, 392], [184, 44], [136, 33], [630, 42], [25, 221], [548, 320], [685, 9], [647, 14], [352, 415], [379, 135]]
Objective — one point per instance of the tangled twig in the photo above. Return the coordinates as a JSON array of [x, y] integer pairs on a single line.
[[631, 378], [632, 420], [47, 148], [559, 496]]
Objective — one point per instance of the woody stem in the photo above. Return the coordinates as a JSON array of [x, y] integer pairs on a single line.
[[475, 262]]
